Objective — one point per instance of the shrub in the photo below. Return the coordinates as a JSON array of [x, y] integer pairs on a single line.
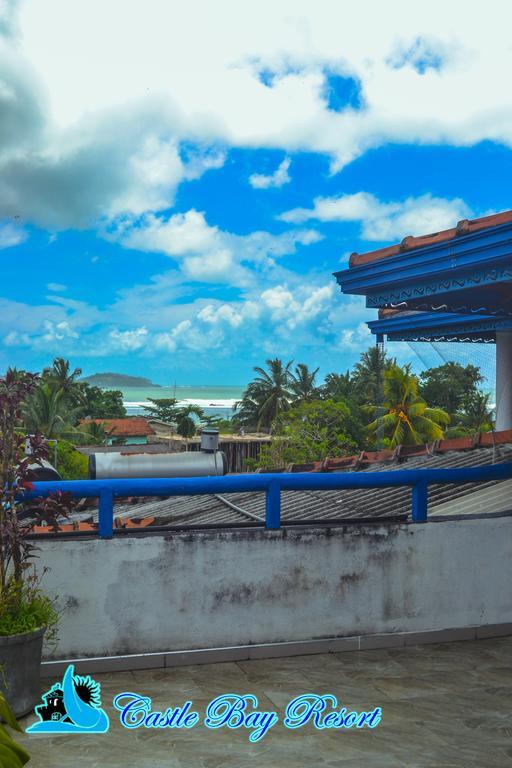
[[71, 464]]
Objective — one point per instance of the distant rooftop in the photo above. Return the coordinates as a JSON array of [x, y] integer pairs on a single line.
[[134, 426]]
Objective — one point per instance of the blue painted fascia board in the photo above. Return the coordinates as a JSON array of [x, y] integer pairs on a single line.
[[438, 326], [461, 254], [432, 320]]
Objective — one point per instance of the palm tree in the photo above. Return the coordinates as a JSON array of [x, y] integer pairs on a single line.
[[47, 411], [269, 394], [95, 433], [478, 413], [404, 417], [368, 376], [186, 426], [302, 384], [61, 375], [338, 386]]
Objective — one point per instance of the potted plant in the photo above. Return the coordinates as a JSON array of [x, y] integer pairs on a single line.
[[26, 613]]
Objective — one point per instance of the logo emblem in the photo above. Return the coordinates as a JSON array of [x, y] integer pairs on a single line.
[[73, 706]]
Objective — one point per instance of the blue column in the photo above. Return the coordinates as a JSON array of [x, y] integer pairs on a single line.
[[419, 502], [106, 513], [273, 505]]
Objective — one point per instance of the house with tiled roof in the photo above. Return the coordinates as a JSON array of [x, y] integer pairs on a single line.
[[133, 430]]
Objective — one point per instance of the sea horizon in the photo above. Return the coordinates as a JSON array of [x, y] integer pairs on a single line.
[[218, 400]]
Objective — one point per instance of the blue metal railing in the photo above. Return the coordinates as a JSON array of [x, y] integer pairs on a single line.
[[272, 484]]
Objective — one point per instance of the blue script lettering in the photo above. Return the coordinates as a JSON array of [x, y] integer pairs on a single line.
[[231, 710], [136, 711], [311, 706]]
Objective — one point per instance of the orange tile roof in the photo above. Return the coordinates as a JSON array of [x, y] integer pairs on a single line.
[[136, 426], [464, 227], [368, 458]]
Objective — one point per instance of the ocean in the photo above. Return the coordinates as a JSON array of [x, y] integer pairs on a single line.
[[214, 400]]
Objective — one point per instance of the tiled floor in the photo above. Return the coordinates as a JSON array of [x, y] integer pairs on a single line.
[[443, 706]]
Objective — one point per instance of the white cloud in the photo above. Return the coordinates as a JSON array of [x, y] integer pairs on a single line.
[[16, 339], [104, 135], [207, 253], [58, 331], [11, 235], [279, 178], [56, 287], [355, 339], [384, 220], [128, 341]]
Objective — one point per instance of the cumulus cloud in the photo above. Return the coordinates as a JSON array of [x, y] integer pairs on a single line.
[[276, 179], [384, 220], [58, 331], [207, 253], [128, 341], [104, 136]]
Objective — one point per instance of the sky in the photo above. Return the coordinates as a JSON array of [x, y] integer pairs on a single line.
[[179, 181]]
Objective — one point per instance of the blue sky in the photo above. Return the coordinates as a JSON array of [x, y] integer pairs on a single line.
[[175, 205]]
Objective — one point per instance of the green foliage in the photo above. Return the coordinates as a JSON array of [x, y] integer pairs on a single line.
[[451, 386], [225, 426], [60, 375], [477, 413], [71, 464], [168, 411], [185, 424], [25, 608], [311, 432], [267, 396], [49, 410], [96, 403], [163, 409], [11, 754], [367, 381], [338, 386], [404, 418], [303, 384]]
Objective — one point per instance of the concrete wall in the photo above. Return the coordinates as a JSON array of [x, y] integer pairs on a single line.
[[171, 591]]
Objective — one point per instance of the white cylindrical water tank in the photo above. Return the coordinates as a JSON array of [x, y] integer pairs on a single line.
[[188, 464]]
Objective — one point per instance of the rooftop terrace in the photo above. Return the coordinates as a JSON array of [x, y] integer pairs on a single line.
[[443, 706]]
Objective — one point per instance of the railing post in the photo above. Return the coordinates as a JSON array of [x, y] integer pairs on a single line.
[[273, 505], [106, 514], [419, 502]]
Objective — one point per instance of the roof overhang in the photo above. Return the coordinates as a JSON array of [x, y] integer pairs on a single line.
[[470, 273], [440, 326]]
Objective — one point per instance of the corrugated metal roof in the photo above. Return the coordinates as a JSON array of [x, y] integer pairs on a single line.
[[342, 504]]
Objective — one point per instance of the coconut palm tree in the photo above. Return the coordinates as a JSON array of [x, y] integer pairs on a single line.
[[61, 375], [302, 384], [404, 417], [338, 386], [47, 411], [269, 394], [94, 433], [186, 426], [368, 376], [478, 413]]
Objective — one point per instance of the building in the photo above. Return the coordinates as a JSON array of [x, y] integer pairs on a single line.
[[129, 431], [454, 285]]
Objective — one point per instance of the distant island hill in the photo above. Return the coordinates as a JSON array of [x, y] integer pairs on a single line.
[[118, 380]]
